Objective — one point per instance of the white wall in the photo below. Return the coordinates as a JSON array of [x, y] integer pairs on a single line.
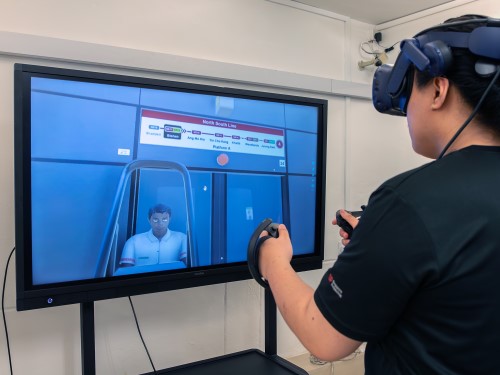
[[247, 32], [221, 42], [409, 26]]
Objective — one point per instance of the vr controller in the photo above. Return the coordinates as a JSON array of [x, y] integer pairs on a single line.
[[254, 246], [341, 222]]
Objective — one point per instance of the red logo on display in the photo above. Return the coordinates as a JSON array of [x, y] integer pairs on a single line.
[[330, 278], [222, 159]]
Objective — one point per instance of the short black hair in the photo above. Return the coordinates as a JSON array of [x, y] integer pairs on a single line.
[[463, 76], [159, 209]]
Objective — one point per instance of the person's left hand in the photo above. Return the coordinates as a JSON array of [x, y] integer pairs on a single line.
[[353, 221], [275, 251]]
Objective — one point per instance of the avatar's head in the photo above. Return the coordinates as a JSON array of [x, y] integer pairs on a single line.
[[159, 219]]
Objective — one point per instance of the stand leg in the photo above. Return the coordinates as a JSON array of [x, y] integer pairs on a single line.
[[87, 334], [270, 335]]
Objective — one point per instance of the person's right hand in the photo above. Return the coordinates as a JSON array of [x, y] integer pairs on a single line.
[[275, 252], [351, 220]]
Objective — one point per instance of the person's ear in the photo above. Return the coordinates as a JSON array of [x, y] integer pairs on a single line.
[[441, 86]]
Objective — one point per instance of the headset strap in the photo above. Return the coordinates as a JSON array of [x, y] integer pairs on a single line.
[[479, 41]]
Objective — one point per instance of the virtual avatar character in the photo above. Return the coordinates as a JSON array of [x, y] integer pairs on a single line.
[[158, 245]]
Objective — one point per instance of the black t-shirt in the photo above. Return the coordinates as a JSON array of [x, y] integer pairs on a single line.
[[420, 279]]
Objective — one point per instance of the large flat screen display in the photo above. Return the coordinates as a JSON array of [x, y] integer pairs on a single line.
[[127, 185]]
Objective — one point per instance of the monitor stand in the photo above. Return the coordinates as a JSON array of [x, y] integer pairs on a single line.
[[87, 337], [247, 362]]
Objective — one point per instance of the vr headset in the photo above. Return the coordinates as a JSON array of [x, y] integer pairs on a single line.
[[430, 51]]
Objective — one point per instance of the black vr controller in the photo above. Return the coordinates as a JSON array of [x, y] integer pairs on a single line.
[[254, 246], [341, 222]]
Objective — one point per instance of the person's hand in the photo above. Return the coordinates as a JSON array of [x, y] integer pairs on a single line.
[[275, 251], [351, 220]]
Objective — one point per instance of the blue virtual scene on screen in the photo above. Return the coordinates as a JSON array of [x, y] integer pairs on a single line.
[[130, 180]]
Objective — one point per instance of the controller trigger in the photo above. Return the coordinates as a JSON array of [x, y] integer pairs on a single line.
[[272, 229]]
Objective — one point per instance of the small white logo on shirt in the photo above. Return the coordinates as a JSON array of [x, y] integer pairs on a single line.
[[334, 286]]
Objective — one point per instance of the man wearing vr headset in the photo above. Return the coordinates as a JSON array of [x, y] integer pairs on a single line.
[[417, 280]]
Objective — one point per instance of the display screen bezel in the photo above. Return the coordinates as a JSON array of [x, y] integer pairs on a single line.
[[30, 296]]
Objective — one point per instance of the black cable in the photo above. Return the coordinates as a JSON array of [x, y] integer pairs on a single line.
[[389, 49], [474, 112], [140, 334], [7, 332], [3, 309]]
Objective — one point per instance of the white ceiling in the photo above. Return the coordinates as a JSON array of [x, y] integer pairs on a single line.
[[374, 12]]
